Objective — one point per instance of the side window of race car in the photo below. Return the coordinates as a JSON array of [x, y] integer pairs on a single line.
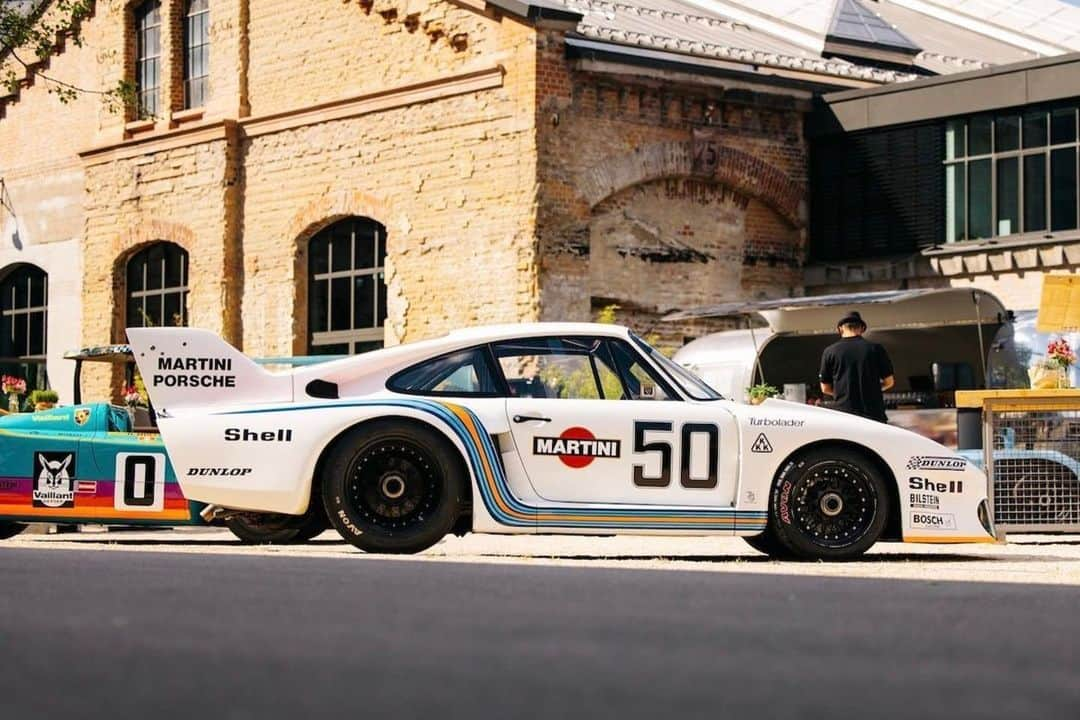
[[642, 383], [466, 372], [556, 368]]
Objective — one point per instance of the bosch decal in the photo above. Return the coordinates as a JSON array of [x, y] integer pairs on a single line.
[[54, 479], [576, 447], [931, 462], [933, 521], [196, 372], [944, 486]]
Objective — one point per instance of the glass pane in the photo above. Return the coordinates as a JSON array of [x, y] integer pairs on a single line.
[[19, 333], [1006, 133], [954, 139], [183, 308], [1008, 196], [955, 203], [7, 344], [979, 135], [320, 258], [1062, 125], [340, 304], [1034, 193], [18, 291], [153, 311], [174, 268], [365, 245], [363, 301], [341, 248], [38, 294], [979, 200], [1034, 129], [464, 372], [173, 316], [134, 313], [318, 299], [332, 349], [37, 334], [1063, 189], [368, 346]]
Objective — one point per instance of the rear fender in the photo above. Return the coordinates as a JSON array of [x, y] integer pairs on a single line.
[[264, 458]]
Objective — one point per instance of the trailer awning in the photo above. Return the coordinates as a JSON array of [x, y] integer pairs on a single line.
[[881, 310]]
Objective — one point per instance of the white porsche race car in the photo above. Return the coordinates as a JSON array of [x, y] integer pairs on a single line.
[[542, 428]]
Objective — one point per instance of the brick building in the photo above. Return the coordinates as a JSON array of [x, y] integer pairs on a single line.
[[329, 176]]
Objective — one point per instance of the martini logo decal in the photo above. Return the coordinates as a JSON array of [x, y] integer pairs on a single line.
[[576, 447]]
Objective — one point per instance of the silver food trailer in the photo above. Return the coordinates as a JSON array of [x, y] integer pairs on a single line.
[[940, 341]]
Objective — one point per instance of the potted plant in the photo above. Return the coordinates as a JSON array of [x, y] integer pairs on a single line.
[[1052, 371], [761, 392], [14, 387], [44, 399], [131, 400]]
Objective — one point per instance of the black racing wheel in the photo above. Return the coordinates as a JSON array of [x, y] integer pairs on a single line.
[[10, 529], [829, 504], [265, 528], [393, 486]]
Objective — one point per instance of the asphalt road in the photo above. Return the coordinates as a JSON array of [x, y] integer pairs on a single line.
[[165, 635]]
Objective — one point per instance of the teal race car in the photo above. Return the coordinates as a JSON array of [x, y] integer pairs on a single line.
[[103, 464]]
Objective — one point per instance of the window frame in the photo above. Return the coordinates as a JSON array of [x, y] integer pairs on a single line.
[[963, 160], [38, 361], [183, 290], [491, 357], [352, 336], [140, 27], [187, 50]]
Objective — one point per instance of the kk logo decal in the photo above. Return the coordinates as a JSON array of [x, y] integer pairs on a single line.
[[54, 479], [82, 415], [576, 447], [761, 445]]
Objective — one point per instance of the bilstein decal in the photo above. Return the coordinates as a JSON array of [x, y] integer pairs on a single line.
[[576, 447], [931, 462], [194, 372]]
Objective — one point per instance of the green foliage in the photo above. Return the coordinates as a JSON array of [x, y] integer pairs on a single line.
[[43, 396], [31, 32], [761, 391]]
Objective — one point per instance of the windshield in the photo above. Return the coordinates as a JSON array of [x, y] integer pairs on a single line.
[[687, 381]]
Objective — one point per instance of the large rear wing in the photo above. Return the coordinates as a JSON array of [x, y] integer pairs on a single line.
[[187, 368]]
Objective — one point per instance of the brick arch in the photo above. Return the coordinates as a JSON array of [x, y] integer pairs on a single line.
[[736, 169], [332, 207], [137, 237]]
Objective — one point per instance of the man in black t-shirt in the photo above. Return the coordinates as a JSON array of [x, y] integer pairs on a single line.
[[855, 371]]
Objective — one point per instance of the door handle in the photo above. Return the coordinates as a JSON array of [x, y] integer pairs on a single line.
[[530, 418]]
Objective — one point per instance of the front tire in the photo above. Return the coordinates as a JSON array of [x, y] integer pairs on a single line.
[[829, 504], [393, 487], [10, 529]]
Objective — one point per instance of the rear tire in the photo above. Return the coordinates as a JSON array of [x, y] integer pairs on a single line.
[[265, 528], [829, 504], [10, 529], [316, 525], [393, 486]]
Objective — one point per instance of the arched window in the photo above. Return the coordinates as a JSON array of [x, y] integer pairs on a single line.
[[347, 288], [157, 278], [24, 316], [148, 57], [196, 53]]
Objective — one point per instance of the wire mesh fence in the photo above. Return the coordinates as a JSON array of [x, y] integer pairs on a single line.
[[1033, 460]]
